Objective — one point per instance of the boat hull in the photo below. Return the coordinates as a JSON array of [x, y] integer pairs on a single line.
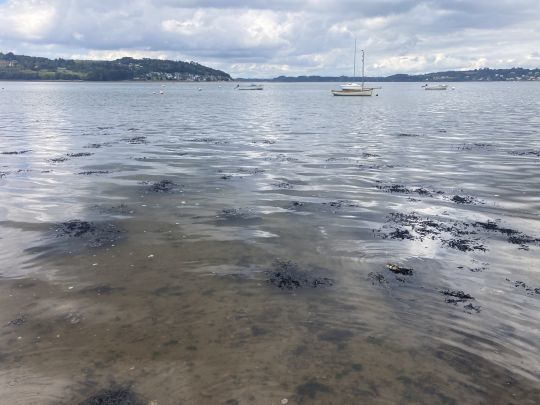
[[251, 88], [353, 93], [436, 88]]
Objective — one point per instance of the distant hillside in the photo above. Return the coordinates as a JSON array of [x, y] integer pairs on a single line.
[[513, 74], [20, 67]]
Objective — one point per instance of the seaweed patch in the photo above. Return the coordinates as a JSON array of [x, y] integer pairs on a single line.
[[286, 275]]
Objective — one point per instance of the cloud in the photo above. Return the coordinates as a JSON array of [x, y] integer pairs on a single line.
[[262, 38]]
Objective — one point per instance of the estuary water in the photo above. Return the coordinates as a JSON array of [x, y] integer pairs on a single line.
[[217, 246]]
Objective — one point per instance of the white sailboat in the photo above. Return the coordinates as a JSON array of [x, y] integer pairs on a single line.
[[354, 89]]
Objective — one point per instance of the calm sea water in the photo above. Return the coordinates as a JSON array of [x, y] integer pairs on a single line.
[[228, 247]]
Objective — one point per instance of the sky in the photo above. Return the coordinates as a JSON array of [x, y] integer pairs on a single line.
[[268, 38]]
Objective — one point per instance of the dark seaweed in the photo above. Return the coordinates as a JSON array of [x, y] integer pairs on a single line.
[[408, 135], [525, 153], [19, 152], [75, 228], [59, 159], [163, 186], [136, 140], [95, 235], [284, 185], [465, 245], [310, 390], [401, 189], [91, 172], [212, 141], [528, 289], [18, 321], [250, 171], [114, 396], [237, 213], [81, 154], [287, 276], [467, 199], [377, 279], [104, 289], [454, 296]]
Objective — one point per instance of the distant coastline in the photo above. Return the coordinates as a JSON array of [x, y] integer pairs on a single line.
[[476, 75], [22, 67], [29, 68]]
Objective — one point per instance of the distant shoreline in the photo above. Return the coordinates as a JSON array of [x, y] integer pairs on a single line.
[[150, 82]]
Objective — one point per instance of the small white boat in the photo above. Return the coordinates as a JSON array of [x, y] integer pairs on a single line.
[[354, 89], [252, 86], [435, 87]]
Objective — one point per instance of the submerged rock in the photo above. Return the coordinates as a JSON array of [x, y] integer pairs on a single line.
[[394, 268]]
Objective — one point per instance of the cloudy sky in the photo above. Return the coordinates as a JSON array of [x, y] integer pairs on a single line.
[[266, 38]]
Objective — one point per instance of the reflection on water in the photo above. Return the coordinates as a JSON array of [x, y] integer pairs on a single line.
[[284, 246]]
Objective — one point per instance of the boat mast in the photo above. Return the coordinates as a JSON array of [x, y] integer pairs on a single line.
[[354, 63], [362, 68]]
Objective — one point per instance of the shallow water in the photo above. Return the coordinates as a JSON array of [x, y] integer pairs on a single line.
[[197, 206]]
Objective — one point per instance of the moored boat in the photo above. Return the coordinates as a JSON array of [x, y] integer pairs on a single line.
[[354, 89], [251, 86], [365, 91], [435, 87]]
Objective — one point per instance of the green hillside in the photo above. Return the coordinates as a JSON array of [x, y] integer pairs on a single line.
[[20, 67]]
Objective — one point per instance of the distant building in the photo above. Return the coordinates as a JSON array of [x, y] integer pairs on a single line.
[[8, 63]]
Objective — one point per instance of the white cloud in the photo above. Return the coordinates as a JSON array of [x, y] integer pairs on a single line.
[[26, 19], [261, 38]]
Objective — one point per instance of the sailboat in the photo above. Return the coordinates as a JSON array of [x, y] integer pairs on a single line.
[[354, 89]]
